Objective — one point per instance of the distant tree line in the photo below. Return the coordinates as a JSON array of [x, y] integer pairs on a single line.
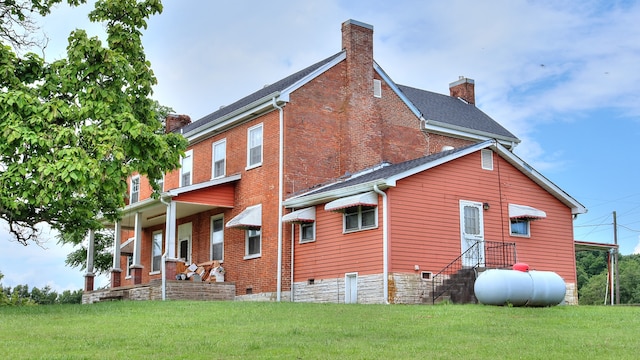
[[21, 296], [593, 283]]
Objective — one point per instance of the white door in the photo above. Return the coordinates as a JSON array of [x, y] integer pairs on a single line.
[[351, 288], [471, 233]]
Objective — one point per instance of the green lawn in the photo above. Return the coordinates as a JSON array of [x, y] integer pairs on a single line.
[[239, 330]]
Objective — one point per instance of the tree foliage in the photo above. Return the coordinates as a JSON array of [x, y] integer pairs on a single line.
[[593, 281], [73, 130], [21, 296]]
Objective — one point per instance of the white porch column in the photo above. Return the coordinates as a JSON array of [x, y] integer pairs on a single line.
[[116, 246], [89, 276], [136, 268], [90, 250], [116, 270], [170, 230], [137, 242]]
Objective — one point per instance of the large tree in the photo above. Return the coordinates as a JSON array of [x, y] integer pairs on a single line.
[[73, 130]]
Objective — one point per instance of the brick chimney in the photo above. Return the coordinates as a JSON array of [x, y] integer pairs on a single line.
[[361, 145], [463, 89], [174, 122]]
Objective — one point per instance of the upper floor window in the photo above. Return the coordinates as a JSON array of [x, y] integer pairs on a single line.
[[219, 159], [134, 195], [254, 146], [186, 169], [359, 218], [160, 183]]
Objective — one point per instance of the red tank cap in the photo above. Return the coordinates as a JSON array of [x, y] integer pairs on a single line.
[[521, 267]]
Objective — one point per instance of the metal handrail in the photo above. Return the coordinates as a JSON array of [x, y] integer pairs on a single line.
[[499, 259]]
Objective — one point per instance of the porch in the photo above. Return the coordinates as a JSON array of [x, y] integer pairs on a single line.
[[175, 290]]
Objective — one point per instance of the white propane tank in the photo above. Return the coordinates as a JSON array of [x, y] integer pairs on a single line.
[[519, 288]]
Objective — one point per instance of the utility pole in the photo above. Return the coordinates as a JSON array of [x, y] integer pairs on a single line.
[[615, 258]]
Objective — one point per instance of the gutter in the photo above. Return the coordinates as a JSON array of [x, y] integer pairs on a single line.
[[385, 243], [243, 113]]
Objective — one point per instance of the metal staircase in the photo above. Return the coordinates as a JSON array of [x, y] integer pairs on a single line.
[[455, 281]]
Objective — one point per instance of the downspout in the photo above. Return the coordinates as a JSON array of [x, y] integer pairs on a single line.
[[164, 256], [385, 243], [280, 187], [293, 233]]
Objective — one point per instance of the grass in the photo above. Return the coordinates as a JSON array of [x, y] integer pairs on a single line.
[[240, 330]]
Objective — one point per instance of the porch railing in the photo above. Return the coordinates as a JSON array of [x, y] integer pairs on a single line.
[[495, 255]]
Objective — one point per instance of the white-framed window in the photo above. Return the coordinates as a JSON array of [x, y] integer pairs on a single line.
[[186, 168], [307, 232], [521, 227], [160, 183], [219, 158], [254, 146], [217, 237], [487, 159], [156, 251], [129, 263], [134, 191], [253, 244], [360, 218]]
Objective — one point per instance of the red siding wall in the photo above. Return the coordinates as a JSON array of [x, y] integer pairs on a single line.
[[333, 253], [425, 217]]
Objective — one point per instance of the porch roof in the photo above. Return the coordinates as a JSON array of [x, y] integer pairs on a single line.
[[189, 200]]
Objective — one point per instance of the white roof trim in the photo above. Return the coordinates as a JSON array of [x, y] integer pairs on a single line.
[[525, 212], [367, 199], [301, 216], [448, 129], [249, 218], [387, 79], [538, 178]]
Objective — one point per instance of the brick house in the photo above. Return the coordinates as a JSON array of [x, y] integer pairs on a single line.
[[337, 184]]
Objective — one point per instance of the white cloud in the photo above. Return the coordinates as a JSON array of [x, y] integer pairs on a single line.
[[39, 266]]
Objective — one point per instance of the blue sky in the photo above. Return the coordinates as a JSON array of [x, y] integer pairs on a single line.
[[561, 75]]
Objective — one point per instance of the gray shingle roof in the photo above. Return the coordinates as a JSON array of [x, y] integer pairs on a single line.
[[453, 111], [433, 106], [387, 171], [270, 89]]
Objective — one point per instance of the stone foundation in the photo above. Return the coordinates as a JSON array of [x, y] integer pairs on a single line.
[[370, 290], [176, 290]]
